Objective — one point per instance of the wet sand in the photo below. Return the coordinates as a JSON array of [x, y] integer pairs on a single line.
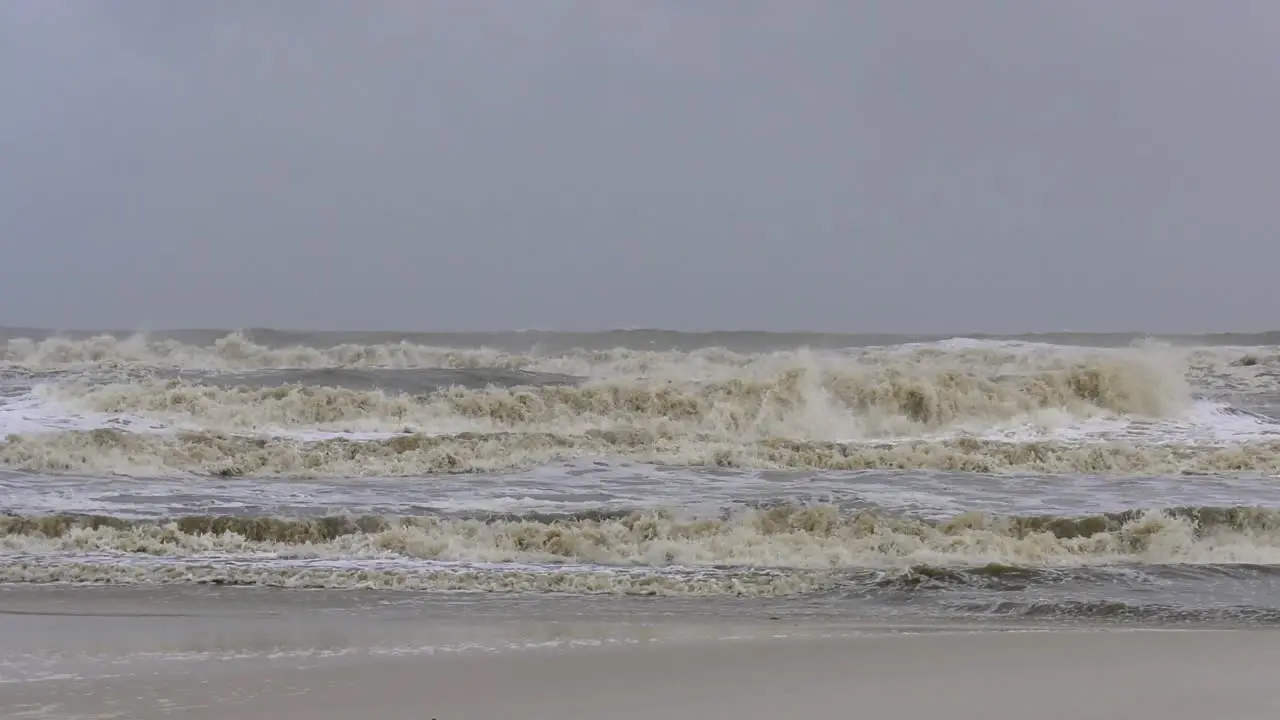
[[1221, 674]]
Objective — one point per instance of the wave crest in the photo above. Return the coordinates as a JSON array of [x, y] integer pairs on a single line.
[[806, 401], [820, 537], [116, 451]]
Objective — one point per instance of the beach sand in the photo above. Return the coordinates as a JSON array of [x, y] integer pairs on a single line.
[[1219, 674]]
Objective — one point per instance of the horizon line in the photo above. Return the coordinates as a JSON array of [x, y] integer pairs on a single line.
[[8, 329]]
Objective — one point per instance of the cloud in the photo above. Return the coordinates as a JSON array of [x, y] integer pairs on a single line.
[[890, 165]]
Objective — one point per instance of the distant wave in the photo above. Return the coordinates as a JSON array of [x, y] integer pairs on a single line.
[[635, 338]]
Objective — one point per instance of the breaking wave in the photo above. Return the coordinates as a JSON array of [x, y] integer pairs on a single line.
[[37, 350], [140, 454], [807, 402], [195, 407], [818, 537], [136, 405], [779, 551]]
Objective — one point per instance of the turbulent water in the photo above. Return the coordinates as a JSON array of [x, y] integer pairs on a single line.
[[1049, 476]]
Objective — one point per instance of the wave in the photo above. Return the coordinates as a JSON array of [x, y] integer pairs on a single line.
[[816, 537], [810, 402], [1122, 594], [588, 354], [1121, 565], [109, 570], [959, 405], [1164, 614], [417, 455], [648, 338]]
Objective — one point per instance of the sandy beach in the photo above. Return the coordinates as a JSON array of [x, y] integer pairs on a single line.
[[1056, 674]]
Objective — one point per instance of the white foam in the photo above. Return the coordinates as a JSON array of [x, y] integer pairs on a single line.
[[34, 413], [1203, 422]]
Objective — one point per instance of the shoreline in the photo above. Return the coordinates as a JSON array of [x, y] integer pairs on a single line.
[[1067, 673]]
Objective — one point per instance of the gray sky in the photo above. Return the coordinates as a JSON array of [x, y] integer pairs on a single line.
[[899, 165]]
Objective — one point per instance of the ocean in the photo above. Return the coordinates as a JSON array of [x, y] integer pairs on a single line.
[[1108, 480]]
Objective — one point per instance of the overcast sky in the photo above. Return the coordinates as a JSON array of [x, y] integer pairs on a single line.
[[898, 165]]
